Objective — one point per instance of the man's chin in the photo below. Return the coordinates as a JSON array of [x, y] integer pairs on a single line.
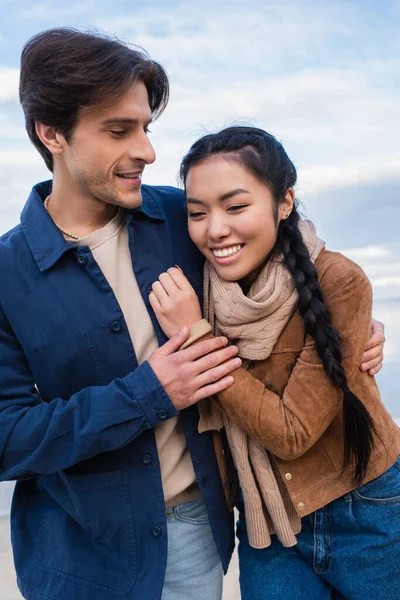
[[130, 201]]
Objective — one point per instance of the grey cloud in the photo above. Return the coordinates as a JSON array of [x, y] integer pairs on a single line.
[[359, 215]]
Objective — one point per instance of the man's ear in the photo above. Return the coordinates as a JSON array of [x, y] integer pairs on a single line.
[[52, 139]]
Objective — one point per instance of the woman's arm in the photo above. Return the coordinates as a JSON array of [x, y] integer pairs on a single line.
[[290, 424], [176, 305], [174, 302]]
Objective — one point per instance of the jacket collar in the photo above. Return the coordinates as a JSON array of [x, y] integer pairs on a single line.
[[46, 241], [149, 206]]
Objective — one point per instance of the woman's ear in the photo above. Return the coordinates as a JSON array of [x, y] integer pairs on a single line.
[[52, 139], [286, 206]]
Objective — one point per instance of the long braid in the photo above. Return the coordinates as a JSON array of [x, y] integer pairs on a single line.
[[263, 156], [358, 425]]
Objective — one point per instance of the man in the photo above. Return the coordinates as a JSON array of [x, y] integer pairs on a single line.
[[98, 422]]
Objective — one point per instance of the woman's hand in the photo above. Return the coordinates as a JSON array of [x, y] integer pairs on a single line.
[[373, 355], [174, 302]]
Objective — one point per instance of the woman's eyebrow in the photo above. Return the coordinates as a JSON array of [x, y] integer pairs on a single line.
[[225, 196], [190, 200], [233, 193]]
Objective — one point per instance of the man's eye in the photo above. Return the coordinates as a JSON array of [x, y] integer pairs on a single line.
[[147, 130], [117, 132]]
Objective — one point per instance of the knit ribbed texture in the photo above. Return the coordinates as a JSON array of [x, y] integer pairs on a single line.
[[196, 332], [254, 323]]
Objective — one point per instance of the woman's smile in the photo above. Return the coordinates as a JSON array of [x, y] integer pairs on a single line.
[[231, 217], [226, 255]]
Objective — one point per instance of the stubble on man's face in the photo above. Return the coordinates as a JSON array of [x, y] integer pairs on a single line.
[[109, 150]]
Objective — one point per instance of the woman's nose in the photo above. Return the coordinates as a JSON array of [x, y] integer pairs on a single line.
[[218, 229]]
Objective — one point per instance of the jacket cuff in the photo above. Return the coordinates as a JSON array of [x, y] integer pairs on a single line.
[[196, 332], [150, 395]]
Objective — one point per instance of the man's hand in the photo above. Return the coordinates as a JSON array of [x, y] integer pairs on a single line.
[[174, 302], [373, 356], [195, 373]]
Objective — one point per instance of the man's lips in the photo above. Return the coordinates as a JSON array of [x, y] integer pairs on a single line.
[[130, 179], [130, 175]]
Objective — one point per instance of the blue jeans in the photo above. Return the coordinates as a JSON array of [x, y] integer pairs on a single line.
[[347, 550], [194, 569]]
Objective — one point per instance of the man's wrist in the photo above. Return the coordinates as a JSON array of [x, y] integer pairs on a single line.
[[150, 395]]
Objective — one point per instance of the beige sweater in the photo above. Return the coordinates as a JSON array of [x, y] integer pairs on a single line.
[[110, 249]]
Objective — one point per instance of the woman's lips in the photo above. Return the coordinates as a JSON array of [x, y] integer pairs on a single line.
[[223, 258]]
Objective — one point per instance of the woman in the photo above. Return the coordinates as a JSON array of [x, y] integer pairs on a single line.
[[315, 450]]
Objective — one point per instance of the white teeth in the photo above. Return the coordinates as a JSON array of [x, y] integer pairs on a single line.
[[226, 251]]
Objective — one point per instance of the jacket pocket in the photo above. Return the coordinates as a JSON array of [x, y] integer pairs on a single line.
[[385, 489], [63, 366], [89, 539]]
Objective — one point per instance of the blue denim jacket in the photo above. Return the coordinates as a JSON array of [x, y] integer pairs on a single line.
[[77, 413]]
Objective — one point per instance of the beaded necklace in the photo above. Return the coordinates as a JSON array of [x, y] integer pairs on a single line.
[[68, 233]]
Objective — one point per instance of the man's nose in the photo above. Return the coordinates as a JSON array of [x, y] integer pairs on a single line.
[[143, 150]]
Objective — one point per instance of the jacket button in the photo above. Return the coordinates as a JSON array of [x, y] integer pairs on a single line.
[[116, 327], [157, 532], [288, 476], [146, 459], [82, 259], [301, 505], [162, 414]]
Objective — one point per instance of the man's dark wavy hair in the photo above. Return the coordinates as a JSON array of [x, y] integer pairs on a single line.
[[64, 70], [263, 156]]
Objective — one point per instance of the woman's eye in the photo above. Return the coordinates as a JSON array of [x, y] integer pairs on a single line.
[[196, 215], [236, 207]]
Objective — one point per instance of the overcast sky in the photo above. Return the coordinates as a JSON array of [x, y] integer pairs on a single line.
[[323, 76]]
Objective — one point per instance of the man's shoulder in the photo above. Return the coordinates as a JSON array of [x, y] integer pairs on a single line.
[[167, 198], [13, 248], [12, 238], [168, 192], [18, 235]]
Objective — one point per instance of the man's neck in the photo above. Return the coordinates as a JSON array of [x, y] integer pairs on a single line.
[[77, 213]]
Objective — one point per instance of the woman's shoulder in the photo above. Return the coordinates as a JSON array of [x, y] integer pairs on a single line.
[[337, 272]]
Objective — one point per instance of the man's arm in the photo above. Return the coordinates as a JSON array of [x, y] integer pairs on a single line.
[[44, 437]]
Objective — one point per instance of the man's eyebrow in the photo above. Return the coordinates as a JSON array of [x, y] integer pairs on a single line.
[[226, 196], [123, 121]]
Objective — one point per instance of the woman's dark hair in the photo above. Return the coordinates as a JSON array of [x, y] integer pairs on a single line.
[[263, 156], [64, 70]]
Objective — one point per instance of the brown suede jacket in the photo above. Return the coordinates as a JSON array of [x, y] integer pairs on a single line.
[[291, 406]]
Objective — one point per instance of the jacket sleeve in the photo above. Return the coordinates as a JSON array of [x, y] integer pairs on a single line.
[[290, 424], [39, 437]]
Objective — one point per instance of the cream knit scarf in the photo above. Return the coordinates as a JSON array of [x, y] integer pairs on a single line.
[[254, 324]]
